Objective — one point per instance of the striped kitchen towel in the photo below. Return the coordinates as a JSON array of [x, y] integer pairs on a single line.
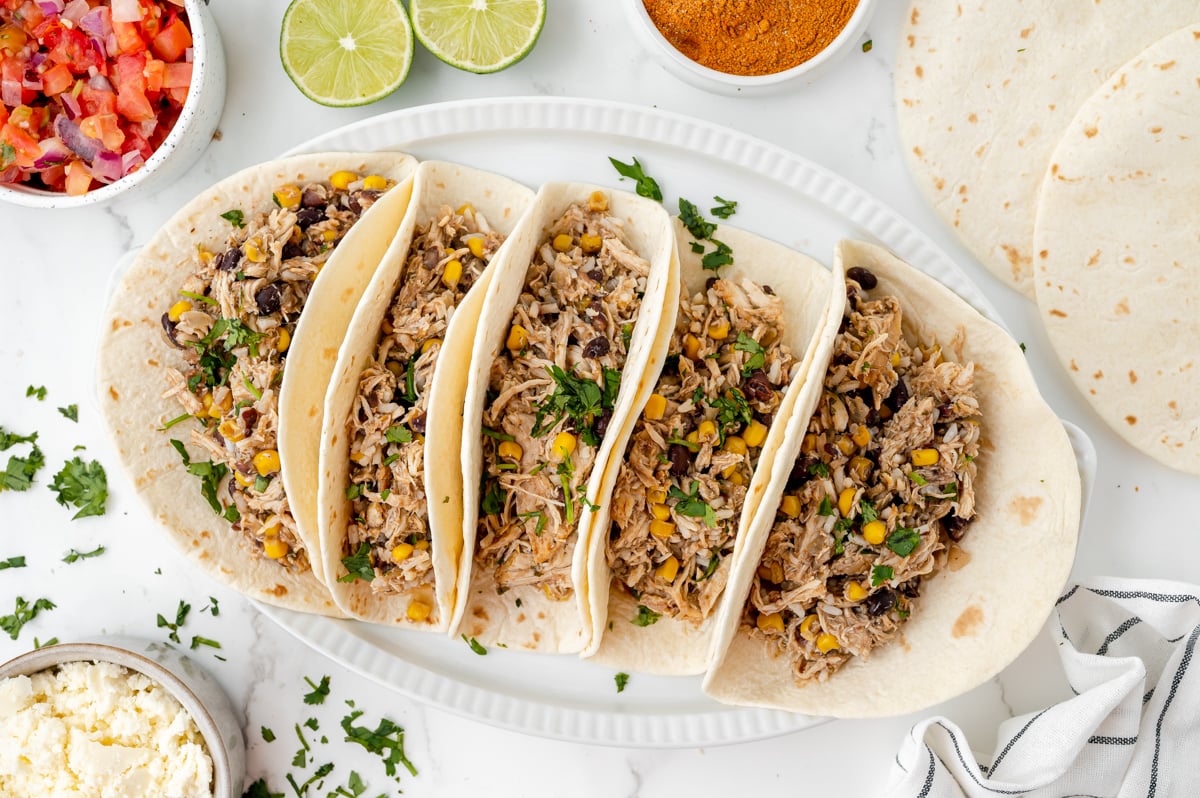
[[1131, 729]]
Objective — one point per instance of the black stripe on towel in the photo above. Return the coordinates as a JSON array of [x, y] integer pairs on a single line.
[[1183, 666], [1115, 635], [996, 763], [1096, 740]]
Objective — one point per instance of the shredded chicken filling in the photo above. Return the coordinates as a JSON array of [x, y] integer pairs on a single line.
[[880, 494], [552, 393], [234, 322], [386, 426], [679, 494]]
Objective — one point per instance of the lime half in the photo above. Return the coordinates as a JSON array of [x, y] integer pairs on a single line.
[[346, 53], [478, 35]]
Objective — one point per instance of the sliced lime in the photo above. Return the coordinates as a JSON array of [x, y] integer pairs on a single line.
[[478, 35], [346, 53]]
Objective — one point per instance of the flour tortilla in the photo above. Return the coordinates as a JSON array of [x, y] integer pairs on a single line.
[[134, 351], [539, 623], [1118, 243], [978, 614], [984, 91], [435, 184], [809, 294]]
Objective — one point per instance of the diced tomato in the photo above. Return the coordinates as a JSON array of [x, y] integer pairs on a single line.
[[57, 79], [129, 40], [55, 176], [71, 47], [134, 106], [152, 19], [107, 128], [3, 114], [30, 14], [178, 76], [173, 41], [153, 72], [97, 101], [79, 179], [12, 39], [135, 141], [177, 97], [25, 146]]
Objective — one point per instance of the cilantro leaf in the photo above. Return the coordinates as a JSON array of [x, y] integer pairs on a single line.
[[82, 485], [493, 498], [621, 679], [826, 507], [38, 392], [758, 355], [387, 736], [903, 540], [497, 434], [732, 410], [19, 473], [23, 613], [319, 691], [398, 433], [235, 218], [267, 734], [917, 479], [12, 562], [358, 565], [578, 399], [818, 469], [198, 641], [721, 256], [181, 613], [867, 509], [881, 574], [75, 555], [724, 209], [475, 645], [645, 616], [71, 412], [696, 224], [691, 505], [646, 186]]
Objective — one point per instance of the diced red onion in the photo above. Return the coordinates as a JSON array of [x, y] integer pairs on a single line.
[[107, 166], [187, 55], [53, 152], [76, 10], [126, 11], [97, 22], [35, 83], [83, 146], [71, 104], [147, 128], [51, 8], [98, 46], [37, 59], [99, 83], [10, 93], [130, 161]]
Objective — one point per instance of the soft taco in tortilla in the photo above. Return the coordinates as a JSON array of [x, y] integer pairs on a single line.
[[922, 519], [198, 339], [391, 488], [563, 345], [692, 466]]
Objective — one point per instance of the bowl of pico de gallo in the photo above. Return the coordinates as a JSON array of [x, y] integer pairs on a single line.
[[101, 97]]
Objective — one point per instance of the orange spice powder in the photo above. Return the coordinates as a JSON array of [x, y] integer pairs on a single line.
[[750, 37]]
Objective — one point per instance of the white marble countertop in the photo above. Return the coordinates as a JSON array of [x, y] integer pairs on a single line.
[[56, 268]]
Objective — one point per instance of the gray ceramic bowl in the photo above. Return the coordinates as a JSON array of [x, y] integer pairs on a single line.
[[182, 146], [190, 684]]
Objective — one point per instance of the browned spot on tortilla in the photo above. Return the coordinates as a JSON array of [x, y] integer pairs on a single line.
[[917, 152], [908, 103], [968, 622], [920, 72], [152, 362], [1092, 261], [1156, 129], [939, 183], [913, 18], [979, 154], [1128, 259], [1122, 308], [1132, 376], [1120, 84], [541, 616], [1054, 169], [1059, 313], [1099, 375], [537, 637], [312, 412], [1090, 131], [1044, 254], [1074, 365], [329, 353], [972, 117], [1026, 508], [1165, 65], [116, 323], [1016, 260], [113, 393], [962, 189], [1025, 33], [1092, 391], [1131, 420], [521, 618], [480, 613], [957, 557], [278, 590], [912, 40]]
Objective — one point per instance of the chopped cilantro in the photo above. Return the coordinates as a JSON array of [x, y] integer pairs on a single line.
[[721, 256], [167, 425], [38, 392], [12, 562], [732, 410], [198, 641], [1022, 346], [19, 473], [674, 438], [758, 355], [903, 540], [45, 644], [353, 491], [358, 565], [691, 505], [210, 475], [497, 435], [645, 616], [867, 508], [493, 498], [621, 679], [71, 412], [387, 736], [319, 691], [23, 613], [541, 521], [880, 574], [826, 507], [710, 569], [475, 645], [646, 186], [257, 394], [74, 555], [235, 218], [842, 525], [82, 485], [697, 247], [199, 297], [214, 608], [696, 224], [259, 789], [724, 209], [950, 490], [181, 613], [267, 734], [578, 399], [383, 494], [917, 479], [398, 433], [818, 469], [312, 723], [867, 45]]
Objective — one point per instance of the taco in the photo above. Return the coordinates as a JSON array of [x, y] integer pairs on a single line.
[[928, 519], [195, 344], [699, 452], [564, 340], [391, 527]]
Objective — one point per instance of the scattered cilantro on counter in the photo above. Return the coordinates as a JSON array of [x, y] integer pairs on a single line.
[[319, 691], [12, 562], [621, 679], [198, 641], [38, 392], [23, 613], [214, 608], [475, 645], [82, 485], [646, 186], [19, 473], [725, 209], [51, 642], [867, 45], [71, 412], [181, 613], [74, 554], [267, 734], [386, 737], [259, 789]]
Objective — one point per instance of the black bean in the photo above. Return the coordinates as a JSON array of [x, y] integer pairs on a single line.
[[361, 200], [758, 387], [307, 217], [680, 458], [169, 328], [880, 601], [843, 359], [249, 419], [432, 257], [799, 474], [599, 322], [955, 527], [862, 276], [912, 588], [768, 290], [709, 283], [596, 274], [602, 421], [417, 425], [291, 250], [898, 396], [313, 196], [872, 418], [836, 585], [268, 299], [597, 347], [945, 411], [230, 259]]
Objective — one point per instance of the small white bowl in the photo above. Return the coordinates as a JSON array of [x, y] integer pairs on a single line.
[[192, 132], [190, 684], [713, 80]]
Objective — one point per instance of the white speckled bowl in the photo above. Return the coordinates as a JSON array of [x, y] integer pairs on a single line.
[[190, 684], [182, 146], [712, 80]]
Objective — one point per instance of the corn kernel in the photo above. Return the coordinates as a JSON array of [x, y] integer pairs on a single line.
[[707, 430], [244, 480], [178, 309], [737, 479], [231, 430], [790, 506], [253, 253], [452, 273], [275, 548], [418, 611], [809, 627], [563, 447], [895, 359], [770, 623], [719, 331], [661, 512], [562, 242], [205, 256], [845, 445], [266, 462], [288, 196], [510, 449], [874, 532], [590, 243], [464, 208], [809, 445], [728, 471], [401, 552], [270, 530], [341, 180], [661, 530], [668, 570], [885, 412], [736, 445], [475, 245], [285, 340], [860, 468], [691, 346], [693, 437], [517, 338], [924, 457], [597, 201], [375, 183], [656, 496], [421, 545], [217, 408], [656, 407], [430, 343], [755, 434], [855, 591], [846, 502], [328, 235], [826, 643], [861, 436]]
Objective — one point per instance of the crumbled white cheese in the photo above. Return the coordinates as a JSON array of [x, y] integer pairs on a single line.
[[88, 728]]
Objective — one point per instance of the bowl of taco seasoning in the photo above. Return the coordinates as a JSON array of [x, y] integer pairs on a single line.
[[748, 47]]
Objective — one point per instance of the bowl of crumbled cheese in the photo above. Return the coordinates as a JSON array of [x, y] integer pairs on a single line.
[[119, 718]]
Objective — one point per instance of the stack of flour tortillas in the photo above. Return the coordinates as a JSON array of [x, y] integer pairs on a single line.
[[1061, 142]]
